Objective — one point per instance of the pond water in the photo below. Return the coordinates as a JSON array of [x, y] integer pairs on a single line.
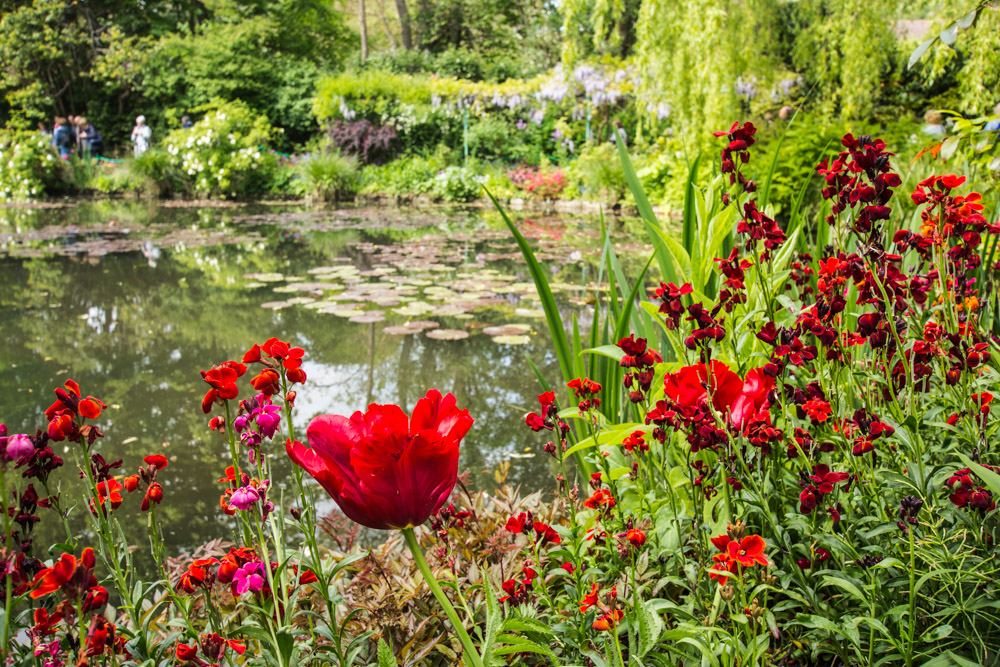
[[132, 299]]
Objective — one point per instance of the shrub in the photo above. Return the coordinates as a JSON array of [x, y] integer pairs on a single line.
[[29, 168], [542, 183], [456, 184], [225, 153], [598, 172], [405, 177], [158, 174], [328, 176], [370, 143]]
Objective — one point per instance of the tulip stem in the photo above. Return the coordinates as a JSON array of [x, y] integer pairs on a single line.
[[471, 657]]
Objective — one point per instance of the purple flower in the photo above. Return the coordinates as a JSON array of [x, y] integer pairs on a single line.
[[19, 447], [250, 578], [244, 498]]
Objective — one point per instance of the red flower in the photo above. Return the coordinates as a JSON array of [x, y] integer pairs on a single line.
[[386, 470], [635, 440], [158, 461], [73, 576], [519, 523], [109, 490], [90, 407], [817, 409], [546, 533], [197, 575], [741, 400], [154, 496], [600, 499], [586, 391], [609, 620], [222, 380], [736, 554], [267, 382], [590, 599], [635, 537], [290, 358]]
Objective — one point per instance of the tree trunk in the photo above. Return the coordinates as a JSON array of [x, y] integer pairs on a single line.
[[363, 21], [404, 24]]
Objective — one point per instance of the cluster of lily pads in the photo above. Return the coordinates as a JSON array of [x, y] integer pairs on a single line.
[[444, 287]]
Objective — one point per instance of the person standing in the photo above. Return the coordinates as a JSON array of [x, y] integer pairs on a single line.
[[63, 138], [142, 135], [91, 141], [186, 122]]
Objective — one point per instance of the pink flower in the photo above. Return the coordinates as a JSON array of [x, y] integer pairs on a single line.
[[250, 577], [19, 447], [244, 498]]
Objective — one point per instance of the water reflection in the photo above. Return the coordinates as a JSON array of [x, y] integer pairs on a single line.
[[135, 323]]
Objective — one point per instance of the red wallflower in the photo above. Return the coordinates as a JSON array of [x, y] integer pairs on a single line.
[[73, 576], [736, 554], [199, 574], [109, 494], [635, 537], [966, 493], [600, 499], [636, 440], [222, 380], [281, 352], [386, 470], [817, 409], [586, 391]]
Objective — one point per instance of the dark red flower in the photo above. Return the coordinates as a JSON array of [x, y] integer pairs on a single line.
[[386, 470]]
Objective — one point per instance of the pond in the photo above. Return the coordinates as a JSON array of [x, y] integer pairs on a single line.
[[132, 299]]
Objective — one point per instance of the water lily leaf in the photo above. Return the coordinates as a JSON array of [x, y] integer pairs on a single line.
[[507, 330], [265, 277], [447, 334], [368, 317], [511, 340]]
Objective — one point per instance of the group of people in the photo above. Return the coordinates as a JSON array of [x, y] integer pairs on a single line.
[[74, 134]]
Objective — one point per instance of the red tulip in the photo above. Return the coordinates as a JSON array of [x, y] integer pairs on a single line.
[[386, 470]]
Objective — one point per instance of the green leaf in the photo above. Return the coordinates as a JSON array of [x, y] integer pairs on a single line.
[[663, 257], [650, 628], [554, 320], [609, 351], [385, 656], [919, 52]]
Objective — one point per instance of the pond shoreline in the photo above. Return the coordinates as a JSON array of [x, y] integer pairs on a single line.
[[565, 206]]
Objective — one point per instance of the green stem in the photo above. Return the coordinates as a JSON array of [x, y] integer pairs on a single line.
[[471, 656]]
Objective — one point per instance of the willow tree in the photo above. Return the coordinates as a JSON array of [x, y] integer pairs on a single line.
[[693, 54], [848, 52], [598, 27]]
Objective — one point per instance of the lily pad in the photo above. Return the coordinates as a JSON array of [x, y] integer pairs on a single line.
[[447, 334], [265, 277], [511, 340], [507, 330], [368, 317]]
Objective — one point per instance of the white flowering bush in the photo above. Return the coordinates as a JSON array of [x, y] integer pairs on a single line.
[[225, 154], [457, 184], [28, 166]]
